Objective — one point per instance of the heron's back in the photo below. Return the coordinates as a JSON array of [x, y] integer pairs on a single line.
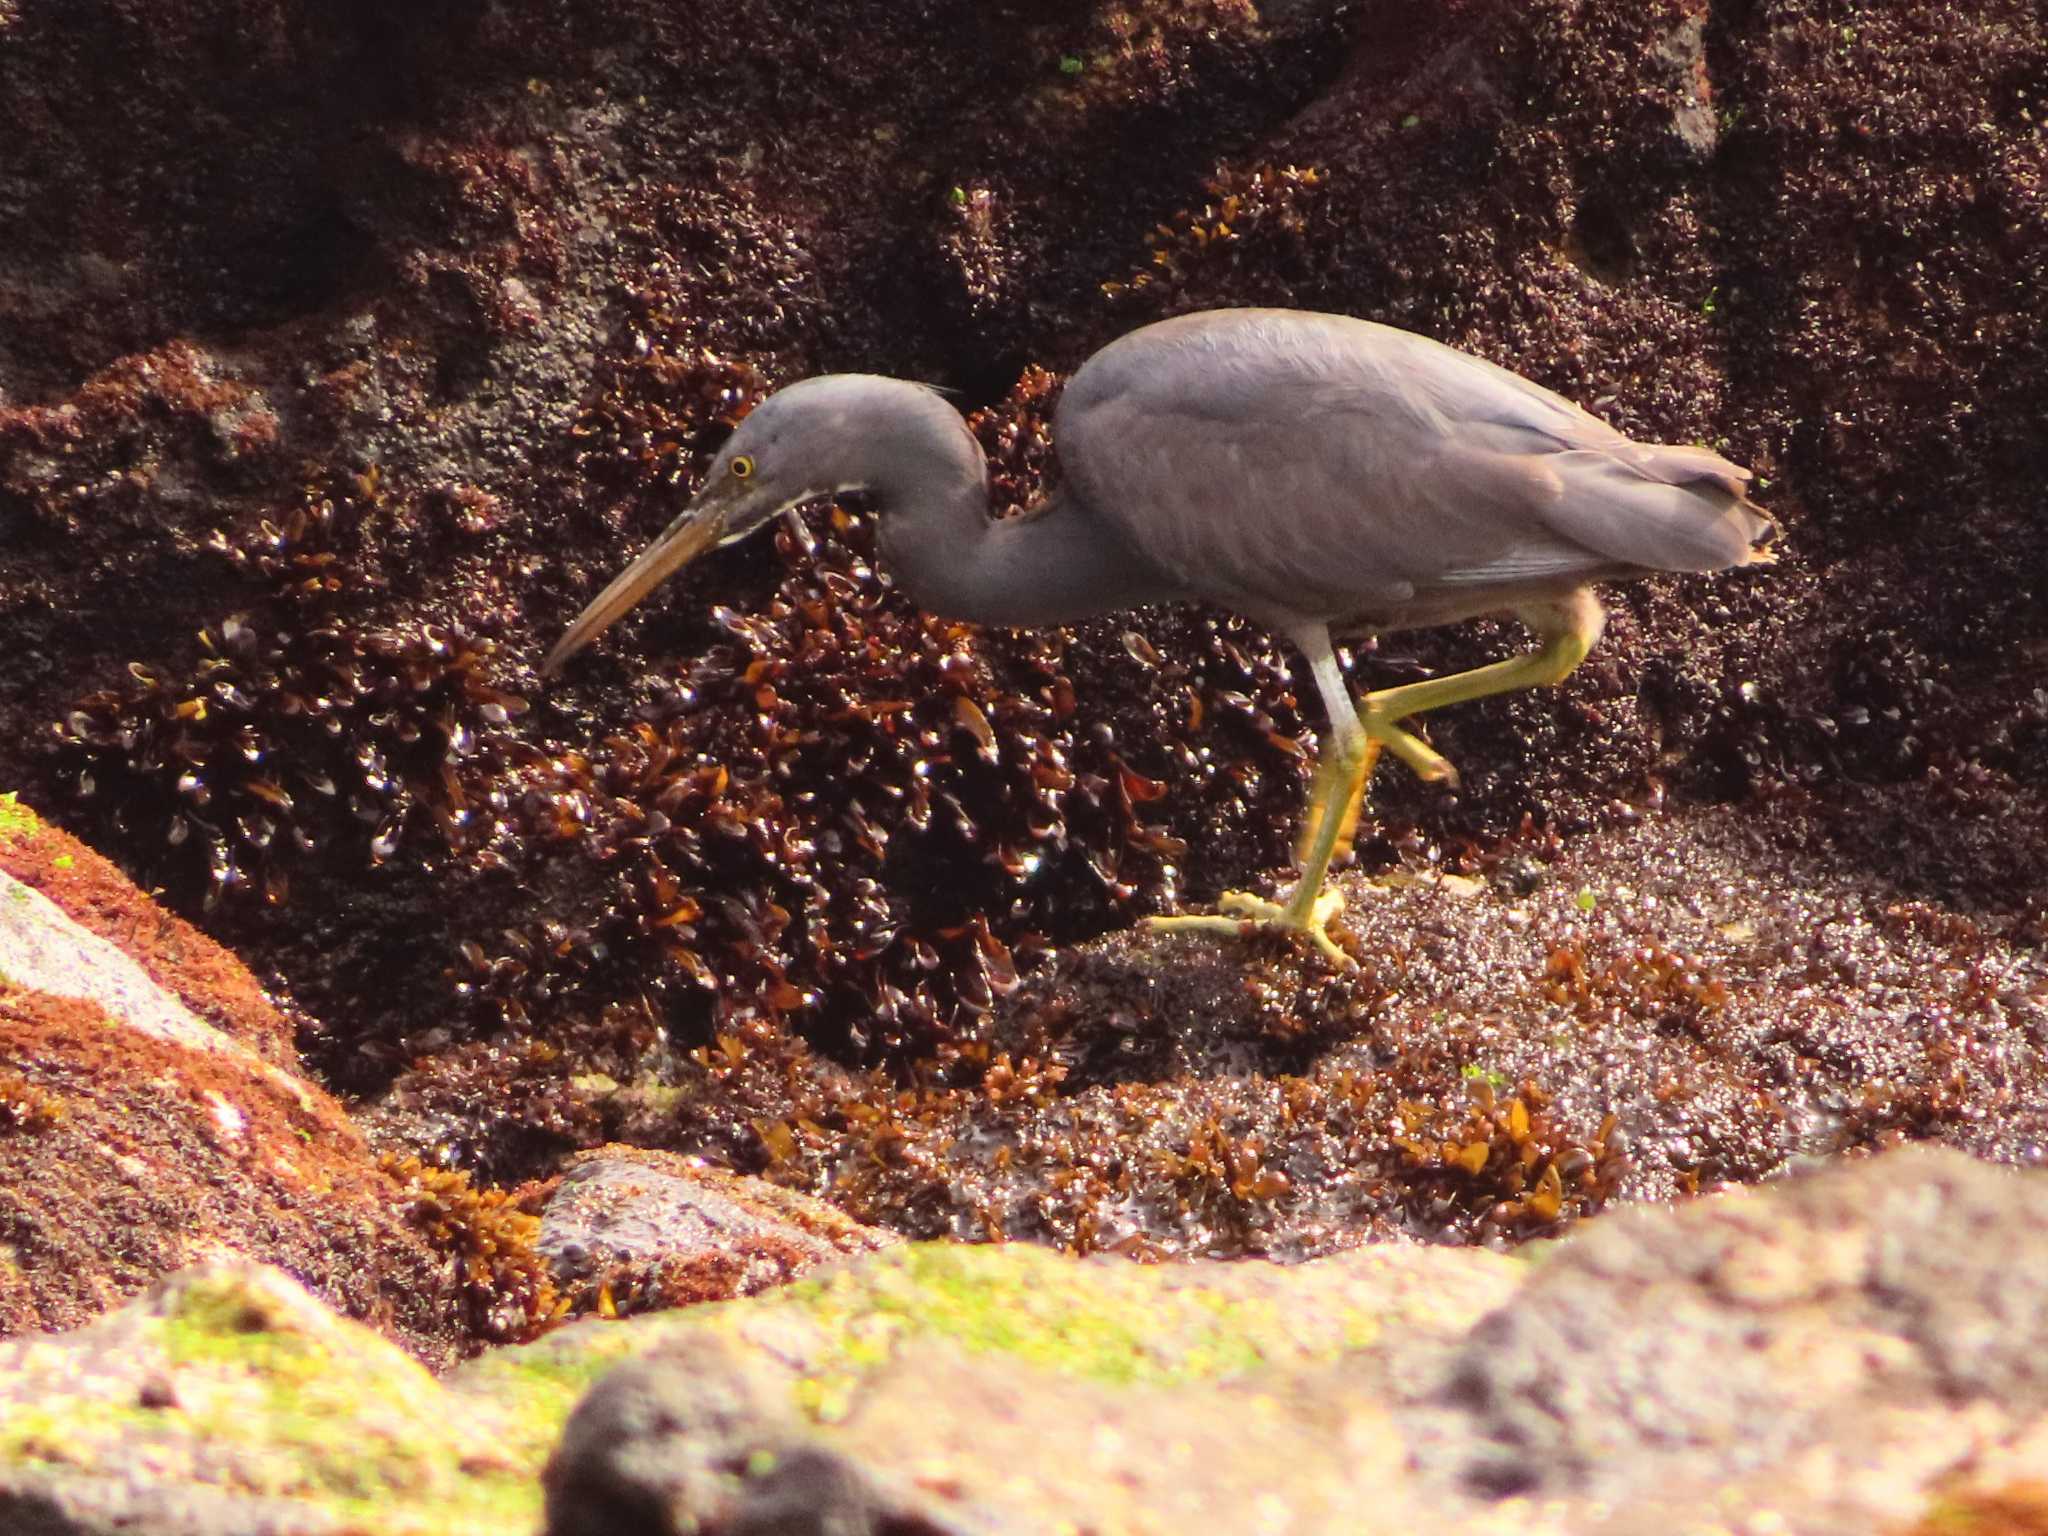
[[1299, 465]]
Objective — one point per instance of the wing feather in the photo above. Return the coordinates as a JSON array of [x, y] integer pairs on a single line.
[[1290, 463]]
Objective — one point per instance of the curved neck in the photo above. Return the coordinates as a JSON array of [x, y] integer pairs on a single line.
[[1057, 564], [1054, 565]]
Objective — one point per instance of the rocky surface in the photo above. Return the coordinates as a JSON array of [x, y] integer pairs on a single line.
[[350, 348], [309, 444], [651, 1230], [1849, 1350], [147, 1120], [1659, 1010]]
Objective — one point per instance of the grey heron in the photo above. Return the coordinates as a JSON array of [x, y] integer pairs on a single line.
[[1322, 476]]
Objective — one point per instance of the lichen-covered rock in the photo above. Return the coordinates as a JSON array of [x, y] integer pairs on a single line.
[[651, 1229], [1848, 1351], [228, 1388], [229, 1399], [1833, 1355], [151, 1116]]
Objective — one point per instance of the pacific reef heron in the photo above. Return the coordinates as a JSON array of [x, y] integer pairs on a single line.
[[1321, 475]]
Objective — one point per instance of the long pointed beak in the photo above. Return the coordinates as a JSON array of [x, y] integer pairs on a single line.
[[700, 526]]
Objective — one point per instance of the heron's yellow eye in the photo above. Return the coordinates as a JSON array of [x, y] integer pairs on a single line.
[[742, 467]]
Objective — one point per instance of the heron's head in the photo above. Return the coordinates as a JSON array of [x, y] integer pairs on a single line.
[[815, 438]]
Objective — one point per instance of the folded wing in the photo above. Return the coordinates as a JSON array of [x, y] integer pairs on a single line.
[[1317, 465]]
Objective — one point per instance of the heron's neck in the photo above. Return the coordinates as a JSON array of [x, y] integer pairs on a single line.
[[1057, 565]]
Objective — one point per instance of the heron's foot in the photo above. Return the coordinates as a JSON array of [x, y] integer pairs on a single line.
[[1240, 914], [1429, 764]]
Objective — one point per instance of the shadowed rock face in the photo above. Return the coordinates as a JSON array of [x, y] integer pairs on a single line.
[[349, 349]]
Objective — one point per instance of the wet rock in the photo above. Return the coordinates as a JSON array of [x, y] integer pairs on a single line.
[[149, 1116], [546, 254], [655, 1229], [1646, 1011], [309, 442]]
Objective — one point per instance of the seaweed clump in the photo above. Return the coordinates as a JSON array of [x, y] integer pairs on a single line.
[[27, 1108], [1503, 1164], [505, 1289], [1252, 226], [295, 727], [849, 815]]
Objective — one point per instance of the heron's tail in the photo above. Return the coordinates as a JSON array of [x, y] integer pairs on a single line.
[[1667, 508]]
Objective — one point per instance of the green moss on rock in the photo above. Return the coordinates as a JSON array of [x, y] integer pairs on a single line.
[[16, 820], [234, 1379]]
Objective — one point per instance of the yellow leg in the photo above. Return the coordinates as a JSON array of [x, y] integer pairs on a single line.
[[1569, 630], [1332, 810], [1339, 789], [1347, 823], [1308, 909], [1569, 627]]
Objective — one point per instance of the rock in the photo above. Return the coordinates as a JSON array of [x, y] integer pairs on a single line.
[[240, 1392], [667, 1439], [1817, 1356], [151, 1115], [460, 298], [1845, 1351], [675, 1230], [229, 1400], [1682, 52], [1826, 1350]]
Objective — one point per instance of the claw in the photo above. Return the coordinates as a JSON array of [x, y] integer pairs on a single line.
[[1242, 914]]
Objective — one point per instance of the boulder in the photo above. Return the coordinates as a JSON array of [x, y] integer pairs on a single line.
[[662, 1230], [1851, 1349], [152, 1115]]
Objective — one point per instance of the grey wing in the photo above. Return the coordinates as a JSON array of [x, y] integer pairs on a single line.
[[1316, 465]]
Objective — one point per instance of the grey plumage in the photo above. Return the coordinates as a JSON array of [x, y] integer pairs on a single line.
[[1318, 474], [1290, 464]]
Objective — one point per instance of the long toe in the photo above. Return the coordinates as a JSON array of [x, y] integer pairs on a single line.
[[1429, 764], [1242, 914]]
